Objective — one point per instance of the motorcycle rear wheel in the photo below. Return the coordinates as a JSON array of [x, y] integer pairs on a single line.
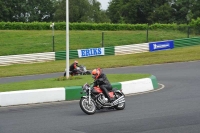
[[120, 106], [86, 108]]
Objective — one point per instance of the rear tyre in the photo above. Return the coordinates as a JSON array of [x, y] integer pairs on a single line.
[[86, 107]]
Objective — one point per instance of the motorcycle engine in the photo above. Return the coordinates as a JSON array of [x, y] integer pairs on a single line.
[[102, 99]]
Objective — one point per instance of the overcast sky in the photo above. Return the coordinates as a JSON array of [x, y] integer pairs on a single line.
[[104, 4]]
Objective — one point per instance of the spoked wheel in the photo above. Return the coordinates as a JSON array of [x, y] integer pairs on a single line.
[[120, 106], [86, 107]]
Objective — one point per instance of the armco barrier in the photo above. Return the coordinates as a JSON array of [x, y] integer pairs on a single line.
[[187, 42], [61, 55], [117, 50], [71, 93], [27, 58], [131, 49], [110, 50]]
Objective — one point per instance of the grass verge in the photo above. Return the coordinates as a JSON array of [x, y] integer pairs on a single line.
[[15, 42], [168, 56], [62, 82]]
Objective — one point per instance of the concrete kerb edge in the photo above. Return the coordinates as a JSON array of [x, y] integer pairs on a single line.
[[128, 87], [149, 84]]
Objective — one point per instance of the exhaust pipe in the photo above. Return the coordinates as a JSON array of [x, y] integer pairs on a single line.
[[122, 97], [118, 101]]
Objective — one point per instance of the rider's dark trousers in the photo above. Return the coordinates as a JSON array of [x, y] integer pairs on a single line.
[[106, 89]]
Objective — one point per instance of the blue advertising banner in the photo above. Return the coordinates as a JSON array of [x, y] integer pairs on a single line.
[[91, 52], [162, 45]]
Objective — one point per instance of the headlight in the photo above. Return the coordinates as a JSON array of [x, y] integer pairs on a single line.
[[85, 87]]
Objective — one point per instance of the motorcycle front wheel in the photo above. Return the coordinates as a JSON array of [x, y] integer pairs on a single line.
[[86, 107]]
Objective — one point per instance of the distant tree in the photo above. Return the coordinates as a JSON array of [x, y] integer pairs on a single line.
[[41, 10], [80, 11], [133, 11], [151, 11], [26, 10], [184, 10], [5, 14], [162, 14], [195, 9]]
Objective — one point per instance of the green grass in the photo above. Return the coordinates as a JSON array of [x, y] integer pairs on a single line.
[[176, 55], [59, 82], [14, 42], [168, 56], [21, 42]]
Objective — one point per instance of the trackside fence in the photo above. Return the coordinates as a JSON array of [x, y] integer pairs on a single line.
[[117, 50], [186, 42]]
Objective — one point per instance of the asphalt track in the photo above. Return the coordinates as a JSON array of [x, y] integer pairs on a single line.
[[174, 109]]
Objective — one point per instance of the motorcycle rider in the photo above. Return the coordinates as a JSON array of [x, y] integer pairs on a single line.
[[73, 67], [102, 81]]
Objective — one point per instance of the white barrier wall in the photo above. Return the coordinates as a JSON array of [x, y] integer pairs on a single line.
[[137, 86], [32, 96], [27, 58], [50, 56], [59, 94], [132, 49]]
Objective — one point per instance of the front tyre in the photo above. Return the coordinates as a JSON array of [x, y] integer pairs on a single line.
[[86, 107]]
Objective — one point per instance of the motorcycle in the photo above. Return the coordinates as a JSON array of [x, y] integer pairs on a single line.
[[95, 99], [81, 70]]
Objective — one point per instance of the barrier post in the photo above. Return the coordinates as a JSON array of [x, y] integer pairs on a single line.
[[147, 38], [188, 32], [102, 39]]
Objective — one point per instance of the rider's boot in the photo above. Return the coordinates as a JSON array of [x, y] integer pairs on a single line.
[[111, 99]]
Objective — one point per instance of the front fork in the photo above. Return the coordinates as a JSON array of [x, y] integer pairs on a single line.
[[88, 97]]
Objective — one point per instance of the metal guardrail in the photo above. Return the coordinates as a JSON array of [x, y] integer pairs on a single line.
[[61, 55], [186, 42]]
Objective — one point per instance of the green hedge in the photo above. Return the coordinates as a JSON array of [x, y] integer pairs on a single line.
[[195, 22], [86, 26], [92, 26], [72, 26]]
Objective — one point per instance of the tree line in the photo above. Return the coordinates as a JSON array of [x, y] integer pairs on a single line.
[[119, 11]]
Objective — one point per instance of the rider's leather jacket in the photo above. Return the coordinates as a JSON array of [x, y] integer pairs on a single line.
[[73, 66], [101, 80]]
